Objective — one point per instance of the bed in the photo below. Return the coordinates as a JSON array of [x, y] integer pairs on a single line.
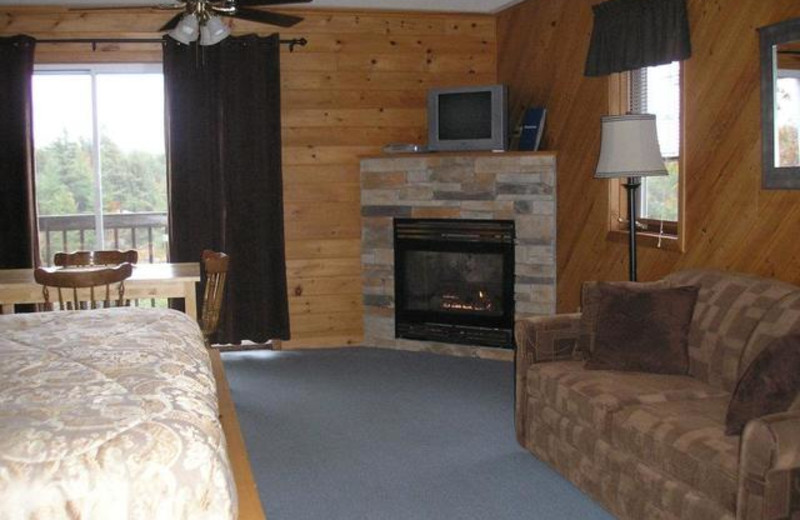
[[112, 414]]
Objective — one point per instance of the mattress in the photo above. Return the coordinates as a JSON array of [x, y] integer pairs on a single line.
[[110, 414]]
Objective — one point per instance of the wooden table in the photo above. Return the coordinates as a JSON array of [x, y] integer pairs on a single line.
[[178, 280]]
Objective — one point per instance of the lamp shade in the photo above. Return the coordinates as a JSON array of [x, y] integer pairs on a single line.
[[629, 147], [187, 30], [213, 31]]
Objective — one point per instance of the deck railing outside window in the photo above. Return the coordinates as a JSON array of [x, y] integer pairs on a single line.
[[145, 232]]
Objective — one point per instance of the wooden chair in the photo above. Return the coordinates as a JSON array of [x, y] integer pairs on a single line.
[[78, 288], [215, 266], [84, 258]]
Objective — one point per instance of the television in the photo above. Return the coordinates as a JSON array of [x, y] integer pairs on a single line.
[[468, 118]]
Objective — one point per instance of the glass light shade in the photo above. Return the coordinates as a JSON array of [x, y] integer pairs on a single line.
[[629, 147], [187, 30], [213, 31]]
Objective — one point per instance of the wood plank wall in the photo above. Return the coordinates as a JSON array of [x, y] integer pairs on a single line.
[[732, 223], [359, 84]]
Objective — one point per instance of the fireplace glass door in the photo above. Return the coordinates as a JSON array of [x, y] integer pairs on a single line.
[[454, 280]]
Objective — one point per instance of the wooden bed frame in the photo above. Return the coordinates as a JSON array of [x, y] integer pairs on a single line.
[[246, 489]]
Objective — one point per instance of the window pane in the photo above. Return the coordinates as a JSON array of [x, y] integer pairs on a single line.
[[787, 119], [62, 133], [656, 90], [131, 118]]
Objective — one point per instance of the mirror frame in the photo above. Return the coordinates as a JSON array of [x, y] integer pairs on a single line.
[[774, 177]]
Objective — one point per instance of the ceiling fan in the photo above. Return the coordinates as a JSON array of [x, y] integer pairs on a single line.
[[200, 19]]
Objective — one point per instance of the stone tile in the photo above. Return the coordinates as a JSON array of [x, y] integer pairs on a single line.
[[372, 181], [460, 195], [523, 207], [378, 300], [399, 164], [535, 271], [385, 211], [436, 212], [524, 309], [534, 280], [445, 186], [519, 178], [453, 173], [538, 229], [544, 207], [382, 312], [545, 160], [379, 197], [411, 193], [504, 188], [487, 205], [505, 164], [374, 236], [418, 176], [480, 215]]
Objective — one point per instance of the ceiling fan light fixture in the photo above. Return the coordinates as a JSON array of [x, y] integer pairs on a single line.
[[187, 29], [214, 31]]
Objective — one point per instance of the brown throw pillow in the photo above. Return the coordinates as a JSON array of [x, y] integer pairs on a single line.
[[771, 384], [590, 300], [643, 330]]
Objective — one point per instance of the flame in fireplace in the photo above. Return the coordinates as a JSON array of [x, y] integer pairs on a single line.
[[454, 302]]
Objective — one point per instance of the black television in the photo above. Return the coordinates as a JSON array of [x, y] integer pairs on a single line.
[[468, 118]]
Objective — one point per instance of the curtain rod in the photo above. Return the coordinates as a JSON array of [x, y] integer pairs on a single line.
[[94, 41]]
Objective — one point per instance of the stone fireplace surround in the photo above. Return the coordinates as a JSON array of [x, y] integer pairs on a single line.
[[520, 186]]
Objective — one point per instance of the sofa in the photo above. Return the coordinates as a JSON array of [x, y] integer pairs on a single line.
[[653, 446]]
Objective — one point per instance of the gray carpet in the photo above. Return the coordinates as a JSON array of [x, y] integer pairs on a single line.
[[380, 434]]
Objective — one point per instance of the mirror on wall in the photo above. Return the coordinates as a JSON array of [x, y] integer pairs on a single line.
[[780, 105]]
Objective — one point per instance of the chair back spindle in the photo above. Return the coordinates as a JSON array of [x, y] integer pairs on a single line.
[[215, 267]]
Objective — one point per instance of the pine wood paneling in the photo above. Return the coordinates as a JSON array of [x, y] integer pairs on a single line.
[[359, 84], [731, 223]]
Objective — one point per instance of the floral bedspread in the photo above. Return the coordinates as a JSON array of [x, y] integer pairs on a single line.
[[110, 414]]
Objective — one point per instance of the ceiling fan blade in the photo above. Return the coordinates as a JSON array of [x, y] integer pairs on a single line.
[[253, 15], [172, 23], [247, 3], [120, 7]]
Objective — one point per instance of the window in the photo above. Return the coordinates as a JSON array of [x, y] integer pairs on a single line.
[[654, 90], [100, 160]]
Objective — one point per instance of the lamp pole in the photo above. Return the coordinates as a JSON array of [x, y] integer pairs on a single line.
[[631, 186]]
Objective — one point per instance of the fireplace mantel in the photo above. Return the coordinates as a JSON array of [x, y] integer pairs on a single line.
[[519, 186]]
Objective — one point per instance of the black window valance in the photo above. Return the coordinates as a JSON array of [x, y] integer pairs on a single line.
[[630, 34]]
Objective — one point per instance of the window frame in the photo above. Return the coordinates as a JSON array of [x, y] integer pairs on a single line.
[[668, 235]]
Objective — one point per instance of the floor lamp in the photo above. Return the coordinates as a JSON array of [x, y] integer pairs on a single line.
[[629, 149]]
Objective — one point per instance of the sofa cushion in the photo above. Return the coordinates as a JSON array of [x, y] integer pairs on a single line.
[[684, 439], [728, 309], [781, 320], [590, 304], [593, 396], [771, 384], [643, 330]]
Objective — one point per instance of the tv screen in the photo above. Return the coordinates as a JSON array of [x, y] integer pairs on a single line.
[[467, 118], [466, 115]]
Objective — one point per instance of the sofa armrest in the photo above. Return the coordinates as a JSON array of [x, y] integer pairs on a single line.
[[538, 339], [769, 468]]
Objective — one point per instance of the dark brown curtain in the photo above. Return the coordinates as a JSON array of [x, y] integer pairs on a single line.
[[225, 187], [18, 239], [631, 34]]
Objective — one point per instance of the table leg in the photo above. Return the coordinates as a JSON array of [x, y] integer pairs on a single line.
[[190, 299]]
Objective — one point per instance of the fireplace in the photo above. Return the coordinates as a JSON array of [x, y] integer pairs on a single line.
[[454, 281]]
